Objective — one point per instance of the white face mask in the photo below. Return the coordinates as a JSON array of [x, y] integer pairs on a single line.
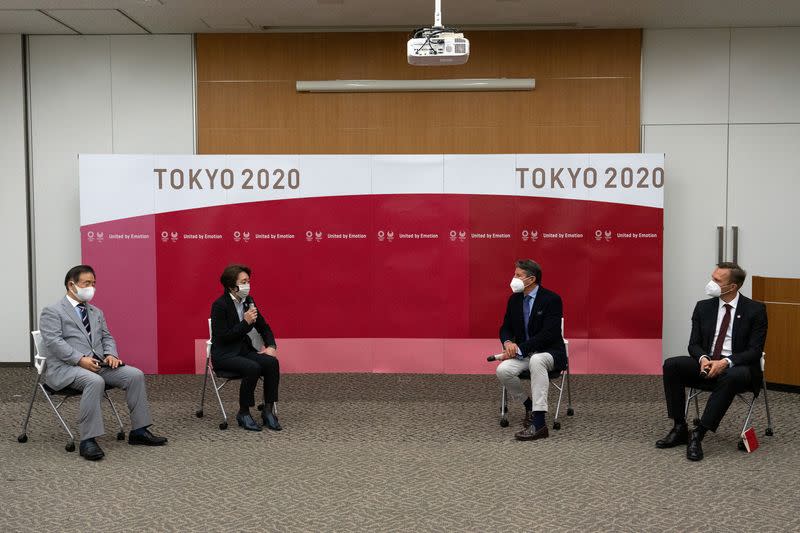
[[712, 289], [84, 294], [517, 285], [244, 291]]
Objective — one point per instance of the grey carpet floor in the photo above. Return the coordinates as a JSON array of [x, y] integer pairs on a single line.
[[398, 453]]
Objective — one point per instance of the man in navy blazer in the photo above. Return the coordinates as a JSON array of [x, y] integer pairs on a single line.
[[725, 347], [532, 340]]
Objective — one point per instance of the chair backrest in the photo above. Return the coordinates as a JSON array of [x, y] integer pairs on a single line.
[[39, 358]]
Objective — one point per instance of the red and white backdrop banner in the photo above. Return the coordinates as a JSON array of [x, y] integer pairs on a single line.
[[377, 263]]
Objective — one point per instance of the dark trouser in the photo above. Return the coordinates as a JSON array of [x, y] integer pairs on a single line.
[[251, 366], [681, 372]]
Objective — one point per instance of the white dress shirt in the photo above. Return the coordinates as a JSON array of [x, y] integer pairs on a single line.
[[727, 344], [239, 305]]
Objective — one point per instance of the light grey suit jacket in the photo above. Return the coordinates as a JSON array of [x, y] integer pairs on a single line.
[[66, 341]]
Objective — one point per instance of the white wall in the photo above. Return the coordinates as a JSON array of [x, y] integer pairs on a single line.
[[14, 325], [723, 105], [98, 94]]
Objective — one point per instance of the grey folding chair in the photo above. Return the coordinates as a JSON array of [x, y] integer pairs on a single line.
[[40, 362], [224, 376], [750, 402], [559, 384]]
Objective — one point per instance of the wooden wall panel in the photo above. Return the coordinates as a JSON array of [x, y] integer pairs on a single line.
[[777, 289], [586, 97], [782, 296]]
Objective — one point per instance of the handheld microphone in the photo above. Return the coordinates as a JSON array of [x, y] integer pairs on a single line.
[[248, 303], [496, 357]]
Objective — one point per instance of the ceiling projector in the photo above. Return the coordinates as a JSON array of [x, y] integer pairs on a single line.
[[437, 45]]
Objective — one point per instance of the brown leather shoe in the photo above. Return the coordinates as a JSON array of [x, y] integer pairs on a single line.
[[526, 422], [532, 434]]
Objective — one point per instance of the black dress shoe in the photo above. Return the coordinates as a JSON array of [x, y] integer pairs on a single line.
[[247, 422], [531, 433], [679, 434], [90, 450], [271, 421], [694, 451], [146, 439]]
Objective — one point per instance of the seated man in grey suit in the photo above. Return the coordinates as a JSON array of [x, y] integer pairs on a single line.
[[82, 354]]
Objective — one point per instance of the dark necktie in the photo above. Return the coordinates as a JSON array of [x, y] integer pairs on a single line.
[[526, 312], [723, 332], [85, 318]]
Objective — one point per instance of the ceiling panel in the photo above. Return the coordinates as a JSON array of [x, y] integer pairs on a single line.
[[30, 21], [96, 21], [221, 21], [190, 16]]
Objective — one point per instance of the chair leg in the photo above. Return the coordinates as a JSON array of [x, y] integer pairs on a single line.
[[688, 400], [768, 431], [504, 408], [121, 432], [199, 412], [23, 437], [750, 405], [570, 411], [693, 394], [224, 423], [70, 447], [556, 423]]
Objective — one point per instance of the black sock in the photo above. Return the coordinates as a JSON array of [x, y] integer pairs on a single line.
[[701, 431], [244, 411], [538, 420], [528, 404], [680, 422], [268, 406]]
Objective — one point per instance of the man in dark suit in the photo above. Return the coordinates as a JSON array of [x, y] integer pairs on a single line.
[[532, 340], [725, 347], [233, 316]]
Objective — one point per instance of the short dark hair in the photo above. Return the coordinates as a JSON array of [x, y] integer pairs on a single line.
[[738, 275], [231, 274], [532, 268], [74, 274]]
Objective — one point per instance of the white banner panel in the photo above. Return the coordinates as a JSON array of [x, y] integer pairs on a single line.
[[124, 186]]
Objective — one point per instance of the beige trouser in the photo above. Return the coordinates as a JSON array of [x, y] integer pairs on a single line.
[[90, 417], [539, 364]]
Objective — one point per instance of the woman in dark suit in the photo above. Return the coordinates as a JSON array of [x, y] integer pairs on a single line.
[[233, 316]]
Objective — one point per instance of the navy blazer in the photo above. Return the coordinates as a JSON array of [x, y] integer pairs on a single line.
[[544, 326], [229, 334], [748, 336]]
